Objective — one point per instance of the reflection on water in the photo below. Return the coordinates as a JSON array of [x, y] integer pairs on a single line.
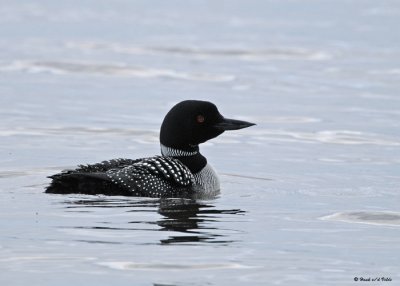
[[190, 217], [193, 220]]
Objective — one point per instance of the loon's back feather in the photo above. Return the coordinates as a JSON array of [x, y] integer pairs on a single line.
[[151, 177]]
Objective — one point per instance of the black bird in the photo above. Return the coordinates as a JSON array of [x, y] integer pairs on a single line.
[[181, 171]]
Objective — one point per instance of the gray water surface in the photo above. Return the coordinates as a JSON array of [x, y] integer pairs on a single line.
[[309, 196]]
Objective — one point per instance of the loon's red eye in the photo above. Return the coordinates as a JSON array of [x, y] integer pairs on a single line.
[[200, 118]]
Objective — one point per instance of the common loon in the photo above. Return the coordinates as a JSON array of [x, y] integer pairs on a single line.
[[181, 171]]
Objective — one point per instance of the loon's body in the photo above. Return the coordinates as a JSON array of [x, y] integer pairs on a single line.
[[181, 171]]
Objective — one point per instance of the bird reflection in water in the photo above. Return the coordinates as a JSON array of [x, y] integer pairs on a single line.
[[195, 220]]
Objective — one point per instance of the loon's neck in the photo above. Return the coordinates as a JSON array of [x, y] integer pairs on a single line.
[[190, 157]]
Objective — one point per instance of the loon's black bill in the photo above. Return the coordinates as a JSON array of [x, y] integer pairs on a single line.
[[232, 124]]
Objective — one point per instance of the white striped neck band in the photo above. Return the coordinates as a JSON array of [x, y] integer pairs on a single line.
[[172, 152]]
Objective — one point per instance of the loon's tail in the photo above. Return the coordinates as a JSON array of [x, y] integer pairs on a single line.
[[84, 183]]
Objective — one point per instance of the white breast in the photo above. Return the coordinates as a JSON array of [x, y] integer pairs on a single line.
[[206, 181]]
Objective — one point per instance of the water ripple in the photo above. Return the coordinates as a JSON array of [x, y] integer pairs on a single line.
[[367, 217], [125, 265], [108, 69], [344, 137], [278, 53], [45, 131]]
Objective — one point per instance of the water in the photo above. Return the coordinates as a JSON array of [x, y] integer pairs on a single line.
[[309, 196]]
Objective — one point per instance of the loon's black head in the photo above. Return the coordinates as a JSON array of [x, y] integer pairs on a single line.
[[192, 122]]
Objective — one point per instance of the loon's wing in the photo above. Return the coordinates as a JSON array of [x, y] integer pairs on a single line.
[[96, 168], [89, 179], [150, 177], [154, 177], [106, 165]]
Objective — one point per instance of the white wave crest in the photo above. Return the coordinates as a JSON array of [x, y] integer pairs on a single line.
[[109, 69]]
